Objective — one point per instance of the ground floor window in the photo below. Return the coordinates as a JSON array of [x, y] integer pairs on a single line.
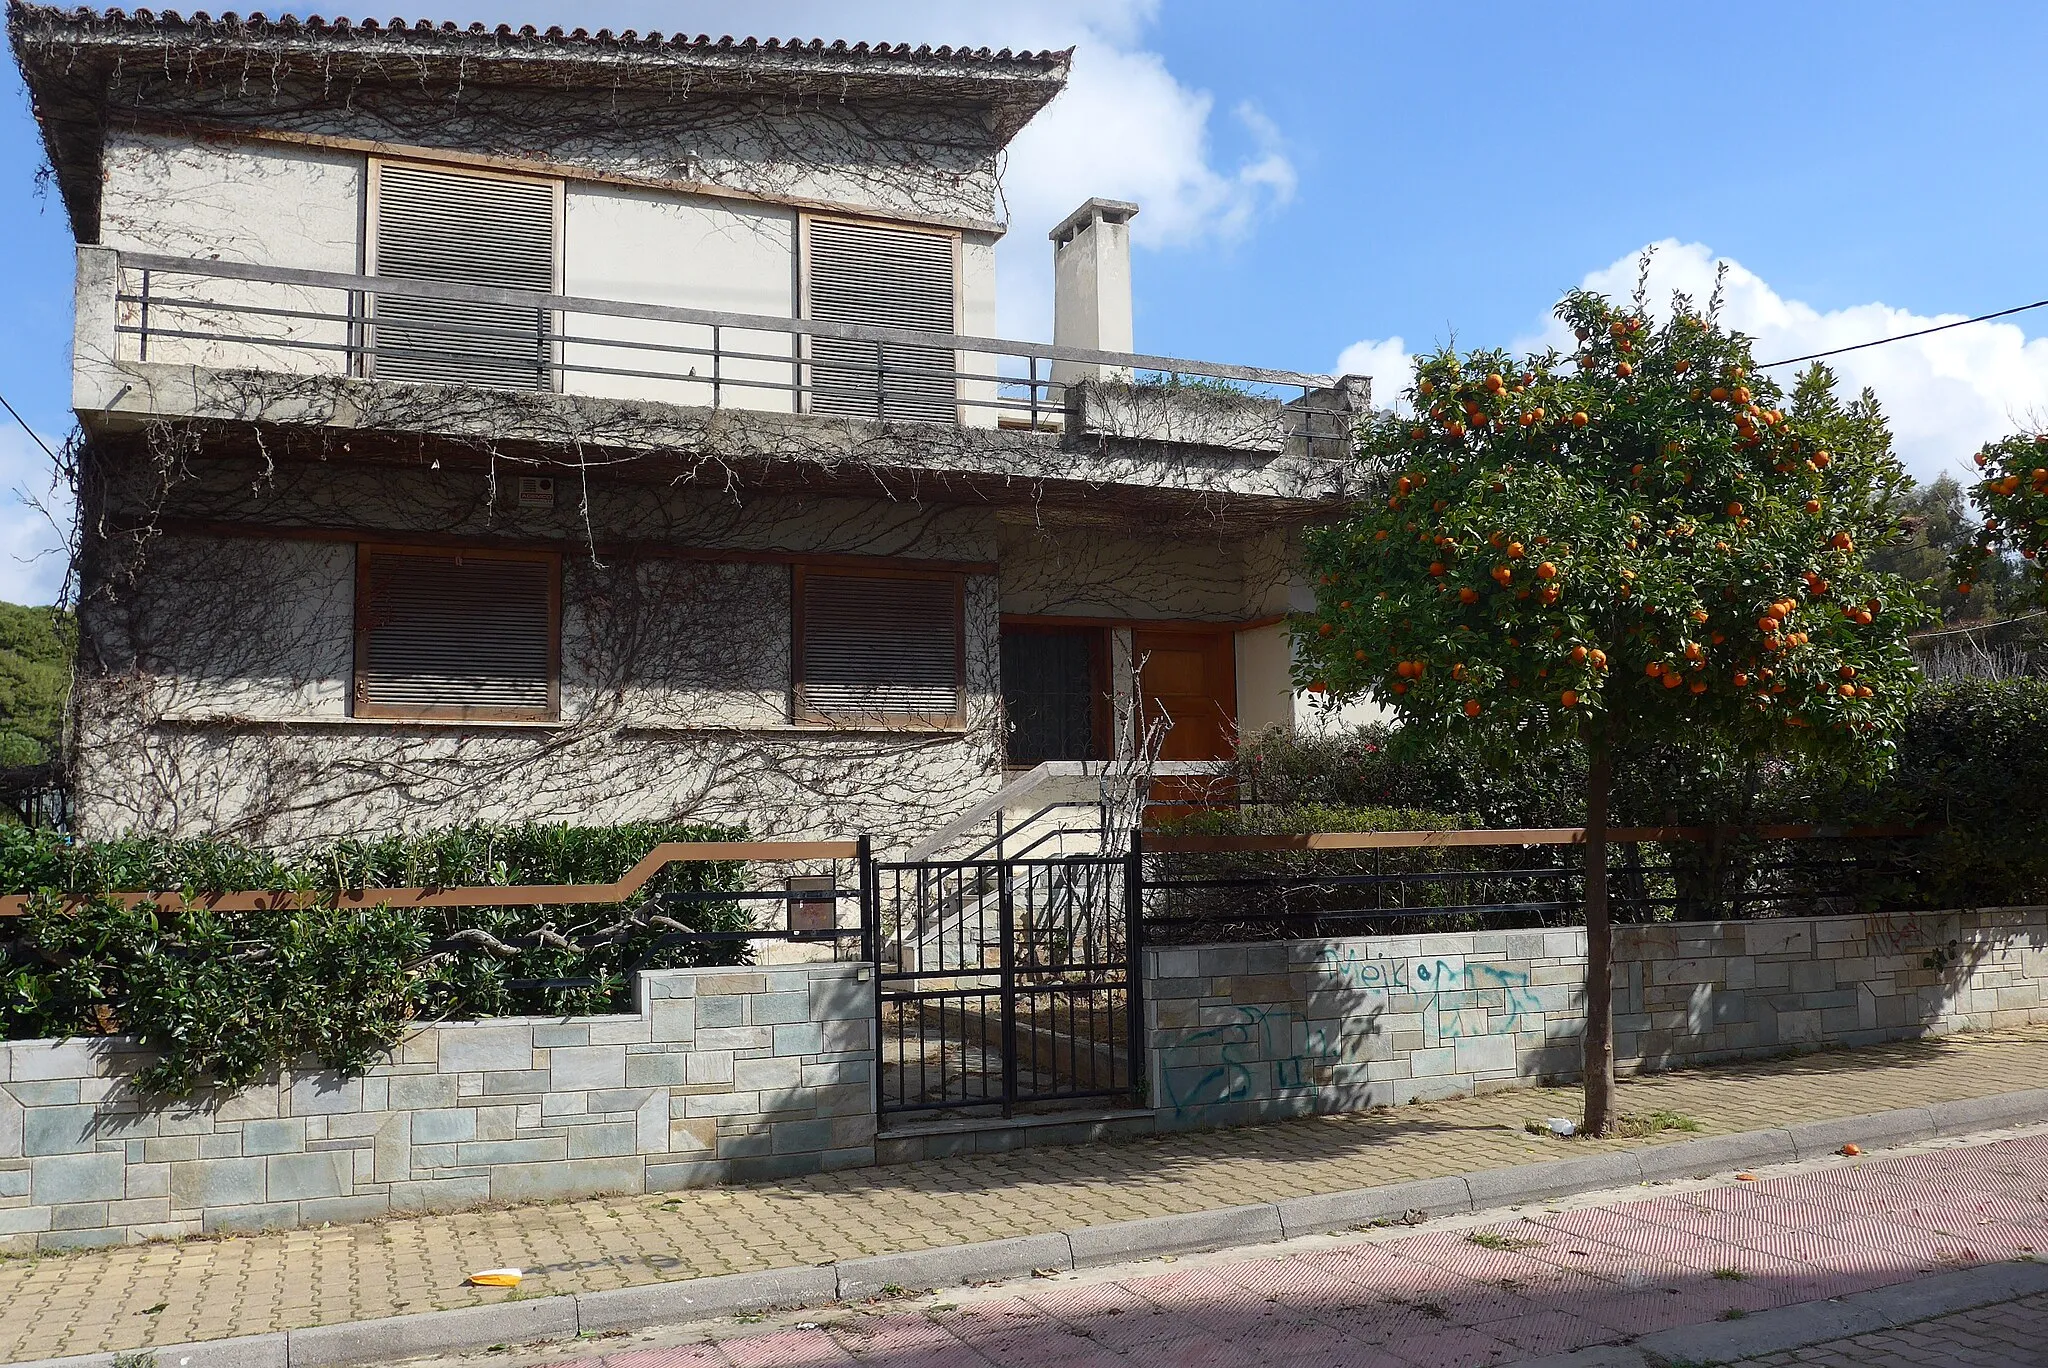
[[1056, 693], [467, 635], [879, 647]]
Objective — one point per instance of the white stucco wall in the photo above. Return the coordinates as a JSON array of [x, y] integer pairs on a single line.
[[242, 202], [304, 208], [653, 248], [215, 699]]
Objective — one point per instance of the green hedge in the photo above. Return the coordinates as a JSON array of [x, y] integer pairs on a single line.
[[225, 997]]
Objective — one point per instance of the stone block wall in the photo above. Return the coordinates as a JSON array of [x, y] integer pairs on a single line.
[[722, 1075], [1248, 1032]]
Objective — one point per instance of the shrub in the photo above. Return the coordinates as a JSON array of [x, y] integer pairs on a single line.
[[225, 997], [1974, 757]]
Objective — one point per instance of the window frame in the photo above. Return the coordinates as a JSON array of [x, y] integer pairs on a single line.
[[805, 363], [363, 706], [373, 197], [802, 714]]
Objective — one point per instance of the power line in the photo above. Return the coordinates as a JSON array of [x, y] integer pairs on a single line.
[[26, 428], [1879, 342], [1980, 626]]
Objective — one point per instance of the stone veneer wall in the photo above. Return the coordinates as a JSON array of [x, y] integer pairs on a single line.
[[723, 1075], [1248, 1032]]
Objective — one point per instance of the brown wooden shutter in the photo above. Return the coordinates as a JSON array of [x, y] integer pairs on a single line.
[[465, 230], [879, 648], [456, 634], [890, 277]]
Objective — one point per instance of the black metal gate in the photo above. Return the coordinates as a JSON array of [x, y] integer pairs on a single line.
[[1006, 984]]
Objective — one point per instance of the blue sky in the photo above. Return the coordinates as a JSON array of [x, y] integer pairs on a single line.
[[1332, 184]]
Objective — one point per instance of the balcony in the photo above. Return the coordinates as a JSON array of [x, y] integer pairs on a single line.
[[145, 317]]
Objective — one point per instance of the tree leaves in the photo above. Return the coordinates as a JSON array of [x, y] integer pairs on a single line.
[[1648, 533]]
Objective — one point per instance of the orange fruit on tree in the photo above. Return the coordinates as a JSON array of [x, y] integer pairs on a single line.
[[1569, 698], [1472, 708], [1579, 419], [1468, 595], [1545, 571], [1578, 655]]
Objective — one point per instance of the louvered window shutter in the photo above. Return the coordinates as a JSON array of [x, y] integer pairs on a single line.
[[893, 277], [455, 634], [464, 230], [878, 649]]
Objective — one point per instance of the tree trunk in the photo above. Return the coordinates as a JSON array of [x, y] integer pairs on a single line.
[[1599, 1038]]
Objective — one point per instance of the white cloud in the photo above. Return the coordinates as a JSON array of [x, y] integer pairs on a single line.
[[32, 555], [1125, 128], [1388, 363], [1944, 395]]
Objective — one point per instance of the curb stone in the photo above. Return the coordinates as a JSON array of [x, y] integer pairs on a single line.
[[1326, 1211], [1906, 1126], [631, 1308], [1785, 1328], [1017, 1257], [636, 1308], [1123, 1241]]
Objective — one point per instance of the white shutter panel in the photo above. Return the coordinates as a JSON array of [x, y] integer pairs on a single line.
[[467, 230], [451, 634], [893, 277], [880, 648]]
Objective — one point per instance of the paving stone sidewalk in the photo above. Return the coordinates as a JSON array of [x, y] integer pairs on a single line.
[[210, 1289], [1611, 1283]]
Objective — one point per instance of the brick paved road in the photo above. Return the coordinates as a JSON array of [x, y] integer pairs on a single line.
[[211, 1289], [1546, 1283], [2012, 1335]]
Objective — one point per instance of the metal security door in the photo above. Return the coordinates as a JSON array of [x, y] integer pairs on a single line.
[[1005, 984]]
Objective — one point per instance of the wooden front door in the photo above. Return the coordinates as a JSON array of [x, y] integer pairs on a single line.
[[1189, 679]]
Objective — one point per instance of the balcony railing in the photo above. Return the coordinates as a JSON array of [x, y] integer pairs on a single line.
[[230, 315]]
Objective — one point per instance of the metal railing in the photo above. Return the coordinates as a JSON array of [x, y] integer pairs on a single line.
[[1287, 887], [235, 315]]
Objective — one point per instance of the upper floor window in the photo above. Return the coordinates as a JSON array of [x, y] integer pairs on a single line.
[[466, 635], [879, 647], [895, 277], [463, 228]]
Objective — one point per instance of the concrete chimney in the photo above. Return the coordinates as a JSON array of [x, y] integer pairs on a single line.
[[1091, 287]]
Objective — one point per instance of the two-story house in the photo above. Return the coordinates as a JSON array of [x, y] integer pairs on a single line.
[[502, 424]]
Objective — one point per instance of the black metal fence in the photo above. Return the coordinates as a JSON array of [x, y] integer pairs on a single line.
[[1201, 889], [1005, 984]]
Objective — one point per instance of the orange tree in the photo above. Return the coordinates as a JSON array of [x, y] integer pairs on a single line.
[[1642, 540], [2013, 499]]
